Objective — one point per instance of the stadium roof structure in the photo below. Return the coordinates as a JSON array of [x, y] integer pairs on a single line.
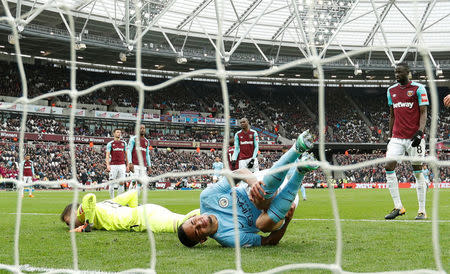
[[180, 35]]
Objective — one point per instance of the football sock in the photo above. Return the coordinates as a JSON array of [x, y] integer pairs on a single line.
[[273, 181], [121, 189], [21, 191], [421, 190], [392, 183], [111, 191], [284, 199]]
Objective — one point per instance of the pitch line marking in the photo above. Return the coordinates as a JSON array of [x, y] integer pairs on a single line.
[[295, 219]]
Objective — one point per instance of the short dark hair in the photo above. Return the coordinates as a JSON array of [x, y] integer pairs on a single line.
[[67, 211], [184, 239], [116, 129], [403, 64]]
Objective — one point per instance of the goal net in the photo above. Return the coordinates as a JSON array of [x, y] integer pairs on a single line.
[[314, 59]]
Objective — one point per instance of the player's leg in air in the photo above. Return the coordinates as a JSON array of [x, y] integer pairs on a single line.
[[280, 205]]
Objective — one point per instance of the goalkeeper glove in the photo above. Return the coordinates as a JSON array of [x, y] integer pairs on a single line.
[[417, 138], [87, 226], [251, 163]]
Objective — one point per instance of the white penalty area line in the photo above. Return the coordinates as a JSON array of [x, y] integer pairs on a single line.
[[374, 221], [30, 268]]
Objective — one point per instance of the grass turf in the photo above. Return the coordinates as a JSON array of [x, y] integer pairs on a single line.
[[369, 246]]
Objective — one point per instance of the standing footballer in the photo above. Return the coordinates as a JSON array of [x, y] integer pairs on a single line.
[[116, 162], [28, 174], [246, 146], [133, 150], [408, 103]]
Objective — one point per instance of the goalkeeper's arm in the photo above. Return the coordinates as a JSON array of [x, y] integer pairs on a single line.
[[87, 208]]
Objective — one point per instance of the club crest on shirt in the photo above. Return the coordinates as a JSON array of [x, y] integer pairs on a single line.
[[223, 202], [410, 93]]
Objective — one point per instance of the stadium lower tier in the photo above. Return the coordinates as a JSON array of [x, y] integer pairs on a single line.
[[52, 162]]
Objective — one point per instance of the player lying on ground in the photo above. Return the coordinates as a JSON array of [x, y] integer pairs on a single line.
[[260, 209], [123, 213]]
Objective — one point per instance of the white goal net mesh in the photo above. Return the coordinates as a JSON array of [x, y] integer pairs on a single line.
[[222, 74]]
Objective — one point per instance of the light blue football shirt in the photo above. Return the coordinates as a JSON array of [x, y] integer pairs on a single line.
[[216, 200]]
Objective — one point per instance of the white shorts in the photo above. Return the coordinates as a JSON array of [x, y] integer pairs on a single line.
[[398, 147], [140, 171], [259, 177], [117, 172], [28, 179], [244, 163]]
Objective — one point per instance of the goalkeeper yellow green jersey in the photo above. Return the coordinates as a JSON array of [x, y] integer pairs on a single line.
[[123, 213]]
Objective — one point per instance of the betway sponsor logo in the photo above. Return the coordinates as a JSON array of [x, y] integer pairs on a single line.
[[117, 149], [403, 105], [247, 143], [141, 148]]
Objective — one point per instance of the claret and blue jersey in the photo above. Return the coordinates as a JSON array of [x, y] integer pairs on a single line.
[[406, 100]]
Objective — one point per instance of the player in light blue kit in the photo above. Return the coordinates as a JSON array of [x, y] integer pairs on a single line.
[[217, 166], [267, 207], [426, 174]]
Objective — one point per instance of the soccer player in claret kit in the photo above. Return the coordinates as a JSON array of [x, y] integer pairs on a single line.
[[230, 155], [408, 103], [28, 174], [144, 149], [117, 166], [246, 146]]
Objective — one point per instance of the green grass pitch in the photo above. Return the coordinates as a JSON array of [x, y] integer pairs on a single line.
[[370, 243]]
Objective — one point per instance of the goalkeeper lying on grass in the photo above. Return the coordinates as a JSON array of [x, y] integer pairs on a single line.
[[123, 213]]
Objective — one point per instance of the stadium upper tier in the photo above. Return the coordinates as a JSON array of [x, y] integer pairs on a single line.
[[355, 115], [255, 33]]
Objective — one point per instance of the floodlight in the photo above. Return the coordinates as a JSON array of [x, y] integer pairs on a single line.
[[438, 71], [181, 60], [122, 57], [80, 46]]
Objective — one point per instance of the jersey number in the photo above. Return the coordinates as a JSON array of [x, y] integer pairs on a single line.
[[419, 149]]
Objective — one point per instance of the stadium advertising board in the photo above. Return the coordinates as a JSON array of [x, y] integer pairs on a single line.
[[31, 108], [104, 140], [384, 185]]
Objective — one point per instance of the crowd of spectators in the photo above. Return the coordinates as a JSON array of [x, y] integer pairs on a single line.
[[52, 163], [353, 115]]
